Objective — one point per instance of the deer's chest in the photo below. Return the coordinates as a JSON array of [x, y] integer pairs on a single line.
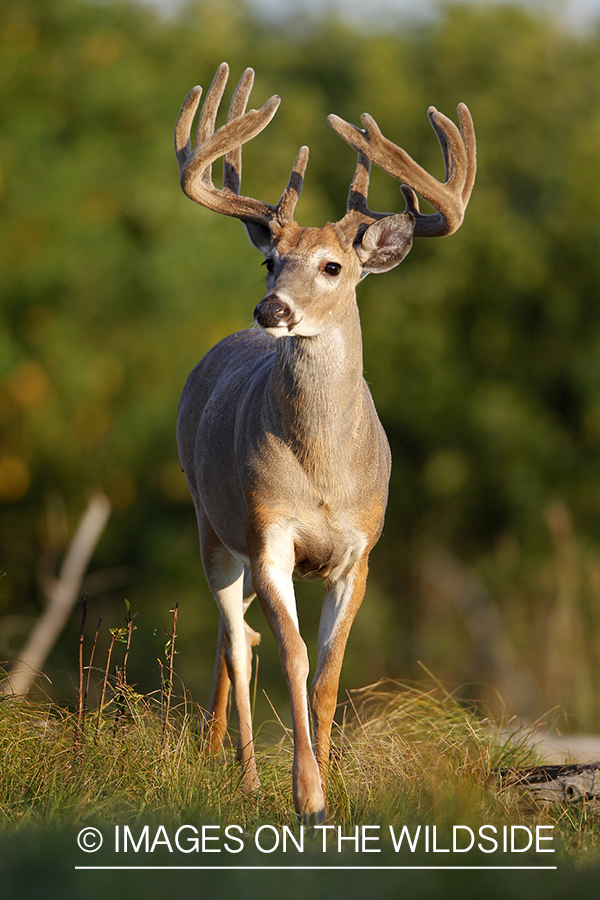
[[318, 541]]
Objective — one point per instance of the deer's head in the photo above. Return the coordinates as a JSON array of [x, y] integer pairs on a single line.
[[312, 272]]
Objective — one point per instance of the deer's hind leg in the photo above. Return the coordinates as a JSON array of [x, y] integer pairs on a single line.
[[231, 588], [218, 706]]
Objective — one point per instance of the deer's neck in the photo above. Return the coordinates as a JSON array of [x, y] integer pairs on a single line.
[[317, 394]]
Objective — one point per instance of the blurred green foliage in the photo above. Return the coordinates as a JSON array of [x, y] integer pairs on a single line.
[[482, 350]]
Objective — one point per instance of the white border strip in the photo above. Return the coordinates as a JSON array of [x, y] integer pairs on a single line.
[[317, 868]]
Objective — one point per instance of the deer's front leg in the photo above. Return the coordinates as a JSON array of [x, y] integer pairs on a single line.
[[340, 605], [225, 576], [274, 587]]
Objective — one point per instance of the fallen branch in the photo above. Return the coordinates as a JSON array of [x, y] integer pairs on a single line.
[[62, 594], [556, 784]]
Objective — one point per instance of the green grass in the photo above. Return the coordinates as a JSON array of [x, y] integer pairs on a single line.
[[402, 755]]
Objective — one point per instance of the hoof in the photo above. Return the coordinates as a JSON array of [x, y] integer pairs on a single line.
[[250, 785], [309, 820], [309, 796]]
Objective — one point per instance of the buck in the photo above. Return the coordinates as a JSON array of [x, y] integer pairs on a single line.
[[285, 457]]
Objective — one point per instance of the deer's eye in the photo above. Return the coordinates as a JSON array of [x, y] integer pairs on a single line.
[[269, 264], [333, 269]]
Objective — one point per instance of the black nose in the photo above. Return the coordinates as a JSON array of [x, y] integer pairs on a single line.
[[271, 312]]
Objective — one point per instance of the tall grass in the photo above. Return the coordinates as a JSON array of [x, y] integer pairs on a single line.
[[401, 755]]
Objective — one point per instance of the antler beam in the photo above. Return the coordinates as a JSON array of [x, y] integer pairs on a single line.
[[195, 166], [449, 199]]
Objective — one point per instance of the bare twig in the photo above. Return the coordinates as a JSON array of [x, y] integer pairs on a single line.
[[89, 671], [114, 635], [80, 699], [124, 635], [130, 629], [170, 653]]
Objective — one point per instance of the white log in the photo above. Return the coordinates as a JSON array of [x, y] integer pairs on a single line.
[[62, 595]]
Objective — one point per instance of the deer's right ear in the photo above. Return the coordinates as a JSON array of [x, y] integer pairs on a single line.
[[260, 236], [386, 242]]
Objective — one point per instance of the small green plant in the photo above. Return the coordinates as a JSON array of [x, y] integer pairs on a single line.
[[116, 635], [167, 684]]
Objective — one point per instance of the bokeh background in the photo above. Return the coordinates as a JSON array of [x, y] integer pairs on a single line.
[[482, 350]]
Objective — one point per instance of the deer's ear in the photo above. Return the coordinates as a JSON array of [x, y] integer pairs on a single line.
[[260, 236], [386, 242]]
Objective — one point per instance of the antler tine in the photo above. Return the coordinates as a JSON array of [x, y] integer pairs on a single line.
[[232, 162], [183, 125], [450, 198], [210, 107], [289, 198], [359, 190], [467, 131]]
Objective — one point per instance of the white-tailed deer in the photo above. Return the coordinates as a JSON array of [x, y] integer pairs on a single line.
[[285, 458]]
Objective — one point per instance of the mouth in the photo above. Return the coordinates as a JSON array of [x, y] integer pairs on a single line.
[[280, 330]]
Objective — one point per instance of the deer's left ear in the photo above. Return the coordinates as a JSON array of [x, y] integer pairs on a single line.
[[260, 236], [385, 243]]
